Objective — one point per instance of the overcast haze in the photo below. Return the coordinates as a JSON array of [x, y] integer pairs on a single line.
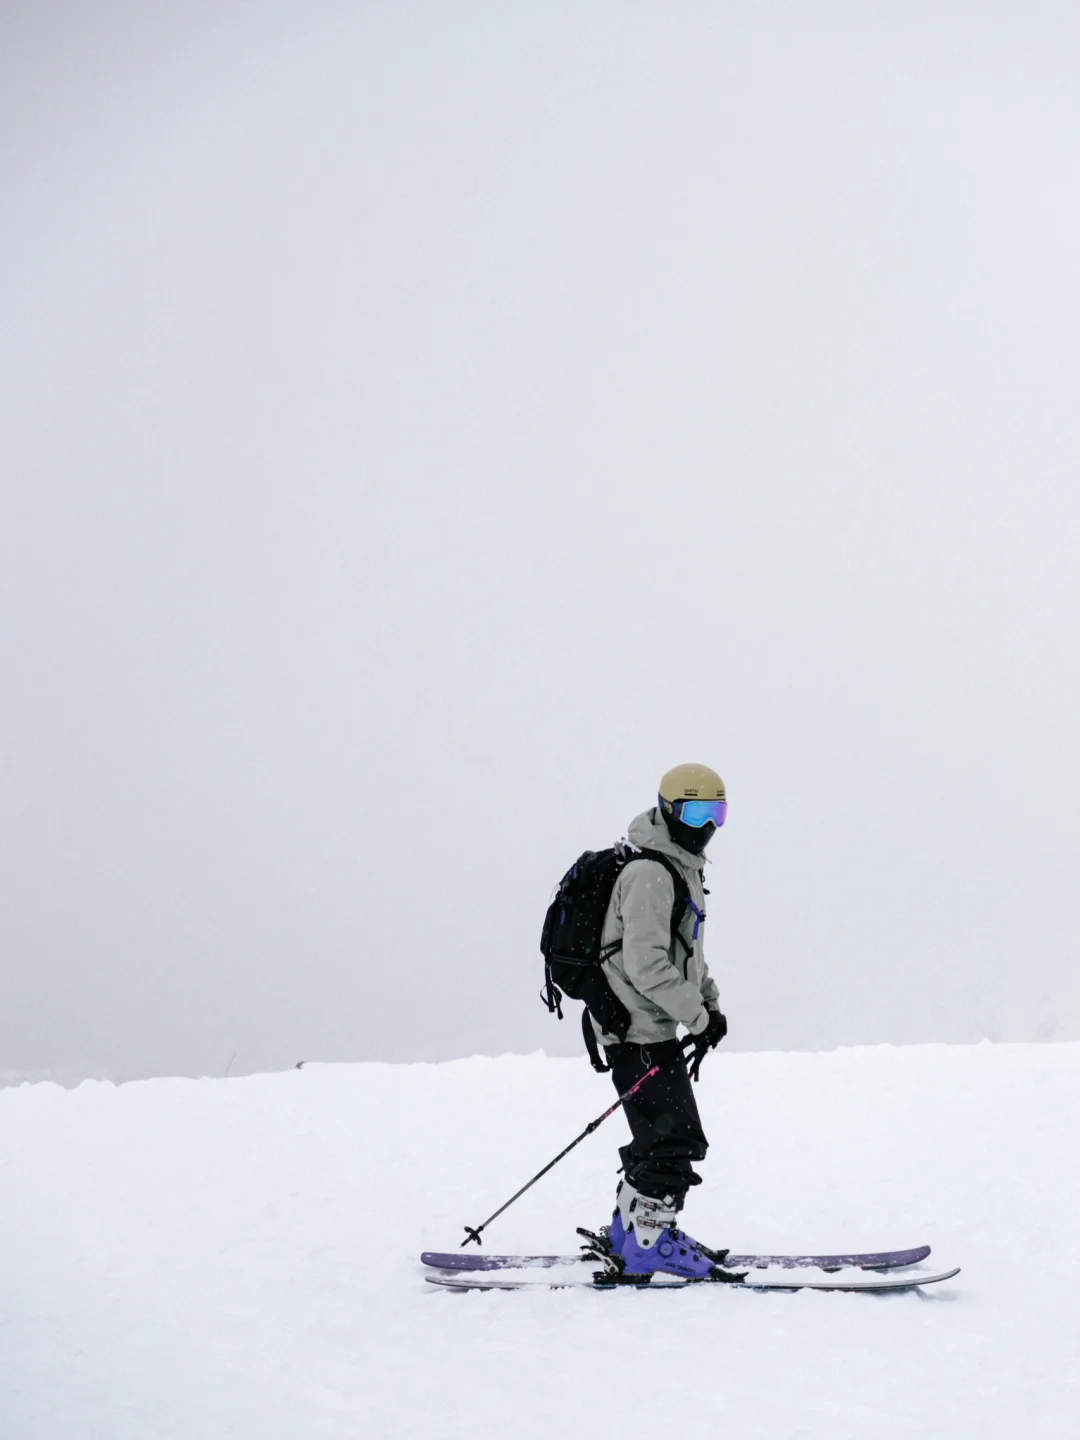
[[422, 425]]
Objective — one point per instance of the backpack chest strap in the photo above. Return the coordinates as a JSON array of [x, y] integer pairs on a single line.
[[699, 916]]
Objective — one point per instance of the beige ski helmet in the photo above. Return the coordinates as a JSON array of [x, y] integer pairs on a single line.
[[691, 782]]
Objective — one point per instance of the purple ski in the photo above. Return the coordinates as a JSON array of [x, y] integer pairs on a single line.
[[867, 1260]]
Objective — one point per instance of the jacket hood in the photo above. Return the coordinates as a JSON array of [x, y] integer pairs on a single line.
[[650, 833]]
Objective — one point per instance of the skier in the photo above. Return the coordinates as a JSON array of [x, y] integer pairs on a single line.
[[660, 975]]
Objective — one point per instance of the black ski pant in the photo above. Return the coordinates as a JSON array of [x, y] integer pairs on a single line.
[[663, 1118]]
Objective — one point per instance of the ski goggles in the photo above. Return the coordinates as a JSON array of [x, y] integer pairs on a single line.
[[697, 813]]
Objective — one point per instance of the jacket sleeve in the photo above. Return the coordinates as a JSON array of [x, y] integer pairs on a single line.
[[709, 993], [645, 901]]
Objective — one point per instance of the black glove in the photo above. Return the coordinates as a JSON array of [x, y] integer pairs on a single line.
[[707, 1040], [715, 1031]]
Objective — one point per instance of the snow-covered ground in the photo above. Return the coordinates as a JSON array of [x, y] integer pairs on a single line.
[[239, 1257]]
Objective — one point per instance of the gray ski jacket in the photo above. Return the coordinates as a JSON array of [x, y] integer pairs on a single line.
[[656, 980]]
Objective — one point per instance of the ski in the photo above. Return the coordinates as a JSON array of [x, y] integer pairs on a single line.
[[473, 1260], [860, 1281]]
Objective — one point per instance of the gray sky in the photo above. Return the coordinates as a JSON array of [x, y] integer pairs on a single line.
[[422, 425]]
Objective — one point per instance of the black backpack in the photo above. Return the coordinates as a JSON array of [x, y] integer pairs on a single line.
[[570, 940]]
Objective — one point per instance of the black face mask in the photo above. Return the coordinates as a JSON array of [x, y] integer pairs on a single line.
[[688, 837]]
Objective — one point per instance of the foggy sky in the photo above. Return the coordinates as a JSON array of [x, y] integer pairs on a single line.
[[423, 425]]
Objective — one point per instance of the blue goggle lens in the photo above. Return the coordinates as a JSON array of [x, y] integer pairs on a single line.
[[697, 813]]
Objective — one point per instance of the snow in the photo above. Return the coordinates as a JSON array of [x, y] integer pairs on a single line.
[[239, 1257]]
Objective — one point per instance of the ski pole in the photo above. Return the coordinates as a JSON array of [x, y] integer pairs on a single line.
[[474, 1234]]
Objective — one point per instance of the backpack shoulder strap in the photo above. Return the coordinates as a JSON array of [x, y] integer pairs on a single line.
[[682, 895], [589, 1035]]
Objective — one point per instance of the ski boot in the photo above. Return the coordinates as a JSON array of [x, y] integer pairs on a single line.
[[616, 1231], [643, 1239]]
